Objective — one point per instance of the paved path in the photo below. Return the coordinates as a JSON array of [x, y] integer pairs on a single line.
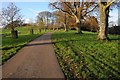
[[36, 60]]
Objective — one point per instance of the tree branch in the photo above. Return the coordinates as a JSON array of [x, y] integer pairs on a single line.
[[60, 9], [109, 3], [72, 12], [90, 10]]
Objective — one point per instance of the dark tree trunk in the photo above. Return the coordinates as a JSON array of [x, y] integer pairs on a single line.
[[31, 31], [39, 30], [107, 21], [14, 34], [79, 28], [78, 23], [65, 26], [103, 31], [65, 23]]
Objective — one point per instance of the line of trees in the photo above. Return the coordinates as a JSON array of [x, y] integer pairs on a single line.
[[67, 15], [81, 9], [44, 20], [59, 20]]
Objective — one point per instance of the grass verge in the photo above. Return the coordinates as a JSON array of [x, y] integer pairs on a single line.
[[84, 57]]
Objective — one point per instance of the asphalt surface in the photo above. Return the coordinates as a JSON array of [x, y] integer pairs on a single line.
[[36, 60]]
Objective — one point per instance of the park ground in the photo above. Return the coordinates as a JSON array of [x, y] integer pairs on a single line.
[[79, 56]]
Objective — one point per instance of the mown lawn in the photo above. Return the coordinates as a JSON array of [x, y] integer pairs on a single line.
[[86, 58], [11, 46]]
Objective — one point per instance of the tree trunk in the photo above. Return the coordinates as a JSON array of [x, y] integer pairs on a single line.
[[78, 23], [53, 28], [103, 31], [39, 30], [57, 28], [65, 23], [14, 34], [107, 21], [65, 26], [31, 31]]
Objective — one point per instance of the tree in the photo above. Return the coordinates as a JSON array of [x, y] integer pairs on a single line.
[[16, 23], [62, 19], [32, 26], [10, 15], [78, 10], [90, 24], [104, 8], [40, 23], [45, 15], [53, 20]]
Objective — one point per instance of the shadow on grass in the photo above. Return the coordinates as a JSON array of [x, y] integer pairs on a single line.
[[110, 69], [86, 36], [101, 62], [22, 39], [7, 48]]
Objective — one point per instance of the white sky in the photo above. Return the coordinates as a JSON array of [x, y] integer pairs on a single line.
[[114, 16]]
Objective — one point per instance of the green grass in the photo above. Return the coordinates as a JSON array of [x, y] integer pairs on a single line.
[[21, 30], [84, 57], [11, 46]]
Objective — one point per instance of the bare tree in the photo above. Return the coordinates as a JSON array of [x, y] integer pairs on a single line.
[[62, 19], [90, 24], [53, 20], [76, 9], [16, 23], [45, 15], [40, 23], [9, 15]]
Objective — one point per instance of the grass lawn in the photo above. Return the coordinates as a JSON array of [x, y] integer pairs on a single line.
[[10, 46], [84, 57]]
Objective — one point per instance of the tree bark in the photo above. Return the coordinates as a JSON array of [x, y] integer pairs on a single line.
[[103, 31], [107, 21], [78, 23], [53, 28], [39, 30], [31, 31], [65, 26], [14, 34], [65, 23]]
